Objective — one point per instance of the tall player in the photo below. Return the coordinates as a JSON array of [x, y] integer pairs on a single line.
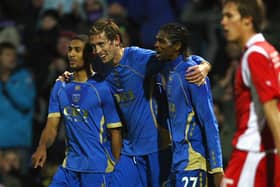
[[140, 161], [255, 160], [93, 135]]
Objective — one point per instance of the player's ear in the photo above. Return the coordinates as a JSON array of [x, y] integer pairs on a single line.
[[177, 46], [117, 41], [248, 20]]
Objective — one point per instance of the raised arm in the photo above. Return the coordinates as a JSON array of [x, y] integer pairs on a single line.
[[197, 74]]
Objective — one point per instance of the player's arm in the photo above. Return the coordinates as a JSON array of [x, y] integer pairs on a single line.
[[50, 131], [66, 76], [112, 120], [272, 114], [116, 142], [266, 84], [46, 140], [197, 74], [202, 102]]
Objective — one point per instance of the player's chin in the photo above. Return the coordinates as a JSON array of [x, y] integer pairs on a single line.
[[73, 67], [159, 57], [104, 60]]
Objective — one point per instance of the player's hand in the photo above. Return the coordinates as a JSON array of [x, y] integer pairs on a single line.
[[197, 74], [218, 179], [39, 157], [65, 76]]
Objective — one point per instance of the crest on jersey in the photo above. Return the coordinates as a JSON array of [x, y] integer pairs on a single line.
[[77, 87], [76, 97]]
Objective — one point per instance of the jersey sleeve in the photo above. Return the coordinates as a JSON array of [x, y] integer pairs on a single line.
[[263, 76], [201, 100], [109, 108], [54, 109], [197, 59]]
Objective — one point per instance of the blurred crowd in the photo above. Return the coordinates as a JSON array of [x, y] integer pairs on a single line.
[[34, 35]]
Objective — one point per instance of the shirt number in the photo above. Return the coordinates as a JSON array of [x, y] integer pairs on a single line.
[[192, 180]]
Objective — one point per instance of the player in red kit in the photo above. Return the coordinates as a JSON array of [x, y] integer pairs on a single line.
[[255, 161]]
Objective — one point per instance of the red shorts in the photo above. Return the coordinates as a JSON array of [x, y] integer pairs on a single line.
[[252, 169]]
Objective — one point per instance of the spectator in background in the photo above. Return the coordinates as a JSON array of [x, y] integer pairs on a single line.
[[147, 16], [255, 160], [9, 169], [30, 20], [118, 13], [58, 64], [42, 45], [17, 96], [92, 10], [9, 32], [202, 18], [62, 6], [224, 98]]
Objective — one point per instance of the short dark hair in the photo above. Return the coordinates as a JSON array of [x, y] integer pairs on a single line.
[[253, 8], [6, 45], [108, 26], [177, 32]]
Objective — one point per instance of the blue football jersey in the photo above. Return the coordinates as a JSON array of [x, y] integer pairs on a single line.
[[192, 122], [138, 112], [88, 111]]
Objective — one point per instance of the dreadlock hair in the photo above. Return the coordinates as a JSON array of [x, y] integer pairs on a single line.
[[177, 33]]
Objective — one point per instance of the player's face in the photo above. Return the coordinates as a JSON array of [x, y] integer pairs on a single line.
[[232, 22], [164, 48], [75, 54], [103, 47]]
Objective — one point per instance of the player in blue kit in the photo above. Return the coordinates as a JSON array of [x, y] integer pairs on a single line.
[[192, 123], [144, 141], [93, 128]]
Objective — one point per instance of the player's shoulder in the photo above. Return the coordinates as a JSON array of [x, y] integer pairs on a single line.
[[187, 62], [196, 59], [263, 48], [98, 82], [58, 85], [97, 77], [137, 51]]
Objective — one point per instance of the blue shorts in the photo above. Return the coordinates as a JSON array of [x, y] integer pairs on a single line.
[[142, 171], [125, 173], [193, 178], [64, 178]]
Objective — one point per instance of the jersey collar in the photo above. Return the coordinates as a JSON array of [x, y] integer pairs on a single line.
[[255, 38]]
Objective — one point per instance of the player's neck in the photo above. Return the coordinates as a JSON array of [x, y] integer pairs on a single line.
[[118, 56], [245, 37], [80, 76]]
